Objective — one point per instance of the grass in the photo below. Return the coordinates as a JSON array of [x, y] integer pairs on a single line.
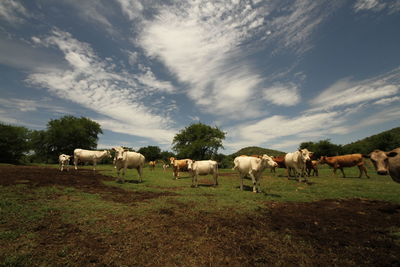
[[28, 208]]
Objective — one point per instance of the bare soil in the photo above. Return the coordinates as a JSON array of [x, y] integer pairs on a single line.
[[353, 232]]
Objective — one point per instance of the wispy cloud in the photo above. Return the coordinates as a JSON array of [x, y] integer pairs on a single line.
[[391, 6], [346, 92], [283, 94], [96, 84], [13, 12], [205, 45]]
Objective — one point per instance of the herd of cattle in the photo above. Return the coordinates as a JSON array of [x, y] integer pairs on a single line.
[[298, 164]]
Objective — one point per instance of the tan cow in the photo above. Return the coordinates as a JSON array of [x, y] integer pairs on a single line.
[[386, 162], [152, 165], [178, 165], [339, 162]]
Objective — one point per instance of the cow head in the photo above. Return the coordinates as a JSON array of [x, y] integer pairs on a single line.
[[189, 163], [67, 157], [171, 160], [119, 152], [380, 159], [269, 161], [304, 154], [322, 160]]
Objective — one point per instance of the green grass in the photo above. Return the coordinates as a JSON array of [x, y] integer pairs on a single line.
[[275, 187], [28, 208]]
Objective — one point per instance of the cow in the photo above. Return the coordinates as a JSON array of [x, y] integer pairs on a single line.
[[152, 164], [312, 165], [128, 160], [165, 166], [64, 161], [350, 160], [386, 162], [252, 167], [280, 161], [203, 167], [296, 161], [178, 165], [91, 156]]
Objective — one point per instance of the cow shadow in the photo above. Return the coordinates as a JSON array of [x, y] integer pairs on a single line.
[[272, 195], [132, 181], [204, 185]]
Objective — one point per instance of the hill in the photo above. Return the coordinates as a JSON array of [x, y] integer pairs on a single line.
[[385, 141], [255, 150]]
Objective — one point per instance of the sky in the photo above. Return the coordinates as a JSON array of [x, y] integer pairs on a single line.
[[270, 73]]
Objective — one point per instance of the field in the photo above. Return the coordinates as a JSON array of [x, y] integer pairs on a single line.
[[80, 218]]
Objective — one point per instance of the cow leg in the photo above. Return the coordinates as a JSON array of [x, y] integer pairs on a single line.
[[341, 169], [254, 180], [94, 165], [241, 181], [140, 172], [288, 172], [76, 163], [118, 173], [215, 179], [195, 179]]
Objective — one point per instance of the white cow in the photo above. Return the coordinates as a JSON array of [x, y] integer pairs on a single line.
[[64, 161], [252, 167], [165, 166], [127, 159], [297, 161], [91, 156], [203, 167]]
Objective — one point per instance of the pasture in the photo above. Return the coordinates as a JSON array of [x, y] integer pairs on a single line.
[[78, 218]]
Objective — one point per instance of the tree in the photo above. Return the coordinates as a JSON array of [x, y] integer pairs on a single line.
[[322, 148], [198, 141], [165, 155], [14, 143], [40, 145], [151, 153], [64, 135]]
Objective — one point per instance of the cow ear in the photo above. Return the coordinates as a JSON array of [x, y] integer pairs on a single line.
[[113, 149], [391, 154]]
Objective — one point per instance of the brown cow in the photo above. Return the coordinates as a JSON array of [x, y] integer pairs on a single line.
[[280, 160], [339, 162], [178, 165], [386, 162], [152, 165], [312, 165]]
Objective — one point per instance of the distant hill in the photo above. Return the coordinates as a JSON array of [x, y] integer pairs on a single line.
[[255, 150], [385, 141]]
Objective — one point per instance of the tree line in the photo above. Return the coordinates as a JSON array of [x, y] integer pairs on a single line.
[[197, 141], [61, 136]]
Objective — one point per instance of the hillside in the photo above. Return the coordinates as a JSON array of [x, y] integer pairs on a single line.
[[385, 141], [255, 150]]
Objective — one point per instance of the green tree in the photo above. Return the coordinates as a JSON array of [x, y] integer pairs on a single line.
[[165, 155], [322, 148], [198, 141], [64, 135], [40, 145], [151, 153], [14, 143]]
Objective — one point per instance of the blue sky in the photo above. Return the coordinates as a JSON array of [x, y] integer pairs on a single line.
[[269, 73]]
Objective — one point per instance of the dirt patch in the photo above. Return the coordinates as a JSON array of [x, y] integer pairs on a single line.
[[84, 180]]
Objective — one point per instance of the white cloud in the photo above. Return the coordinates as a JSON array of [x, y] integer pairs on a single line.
[[13, 105], [13, 12], [390, 6], [205, 44], [95, 84], [283, 94], [346, 92], [132, 8], [271, 129], [387, 101]]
